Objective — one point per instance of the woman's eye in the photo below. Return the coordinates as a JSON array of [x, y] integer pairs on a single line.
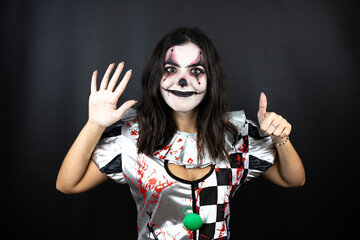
[[170, 70], [196, 72]]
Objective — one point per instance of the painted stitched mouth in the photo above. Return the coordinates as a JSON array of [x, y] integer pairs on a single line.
[[181, 93]]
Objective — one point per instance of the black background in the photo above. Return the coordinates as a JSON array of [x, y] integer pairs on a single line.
[[303, 54]]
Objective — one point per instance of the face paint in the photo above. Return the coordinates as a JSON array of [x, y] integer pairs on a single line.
[[171, 59], [184, 81], [197, 71]]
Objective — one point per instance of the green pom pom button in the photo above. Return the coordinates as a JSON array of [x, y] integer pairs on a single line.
[[192, 222]]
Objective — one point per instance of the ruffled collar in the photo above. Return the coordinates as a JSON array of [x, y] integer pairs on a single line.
[[182, 149]]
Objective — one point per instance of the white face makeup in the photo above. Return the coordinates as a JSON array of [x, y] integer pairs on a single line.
[[183, 85]]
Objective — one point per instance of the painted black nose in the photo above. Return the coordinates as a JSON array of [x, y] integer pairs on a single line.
[[182, 82]]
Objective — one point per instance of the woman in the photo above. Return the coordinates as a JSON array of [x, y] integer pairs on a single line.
[[182, 154]]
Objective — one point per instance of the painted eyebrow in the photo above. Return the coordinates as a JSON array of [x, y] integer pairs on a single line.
[[196, 65], [171, 62], [198, 62]]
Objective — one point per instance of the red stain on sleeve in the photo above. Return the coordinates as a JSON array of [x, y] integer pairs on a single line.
[[167, 147]]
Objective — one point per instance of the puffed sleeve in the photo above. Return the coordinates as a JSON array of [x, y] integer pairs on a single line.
[[262, 151], [257, 151], [107, 154]]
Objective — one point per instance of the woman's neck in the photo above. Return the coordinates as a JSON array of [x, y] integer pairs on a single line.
[[186, 121]]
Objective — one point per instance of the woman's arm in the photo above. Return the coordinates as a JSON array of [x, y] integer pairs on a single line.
[[288, 170], [77, 173]]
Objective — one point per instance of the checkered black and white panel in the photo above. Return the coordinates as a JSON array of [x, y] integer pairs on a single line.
[[253, 155], [213, 204]]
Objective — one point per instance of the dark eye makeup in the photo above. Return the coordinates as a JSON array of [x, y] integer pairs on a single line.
[[170, 70], [196, 72]]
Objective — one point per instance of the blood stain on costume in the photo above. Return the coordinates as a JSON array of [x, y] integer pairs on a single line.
[[140, 174], [191, 235], [238, 159], [128, 179], [241, 158], [173, 152], [244, 147], [204, 236], [150, 226], [152, 181], [197, 193], [167, 147], [239, 170], [222, 230], [148, 180], [174, 238], [160, 186]]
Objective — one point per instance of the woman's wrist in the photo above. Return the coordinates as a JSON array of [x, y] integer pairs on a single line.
[[94, 127], [280, 141]]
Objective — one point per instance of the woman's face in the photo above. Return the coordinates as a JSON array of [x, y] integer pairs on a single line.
[[183, 85]]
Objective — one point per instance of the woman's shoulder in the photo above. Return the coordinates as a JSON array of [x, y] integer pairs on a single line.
[[244, 125], [130, 115], [237, 118], [130, 125], [127, 128]]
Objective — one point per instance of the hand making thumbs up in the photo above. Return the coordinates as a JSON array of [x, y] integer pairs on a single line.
[[271, 123]]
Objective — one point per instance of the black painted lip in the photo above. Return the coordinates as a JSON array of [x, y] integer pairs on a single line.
[[181, 93]]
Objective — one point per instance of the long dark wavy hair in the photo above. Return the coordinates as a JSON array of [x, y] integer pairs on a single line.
[[157, 126]]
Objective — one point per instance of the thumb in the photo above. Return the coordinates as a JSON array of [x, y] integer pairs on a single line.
[[123, 108], [262, 106]]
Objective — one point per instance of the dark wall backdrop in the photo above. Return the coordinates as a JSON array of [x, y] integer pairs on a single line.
[[303, 54]]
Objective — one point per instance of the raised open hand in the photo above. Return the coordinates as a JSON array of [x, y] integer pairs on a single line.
[[103, 110], [271, 123]]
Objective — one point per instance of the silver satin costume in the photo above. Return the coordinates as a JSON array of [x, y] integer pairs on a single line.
[[162, 199]]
